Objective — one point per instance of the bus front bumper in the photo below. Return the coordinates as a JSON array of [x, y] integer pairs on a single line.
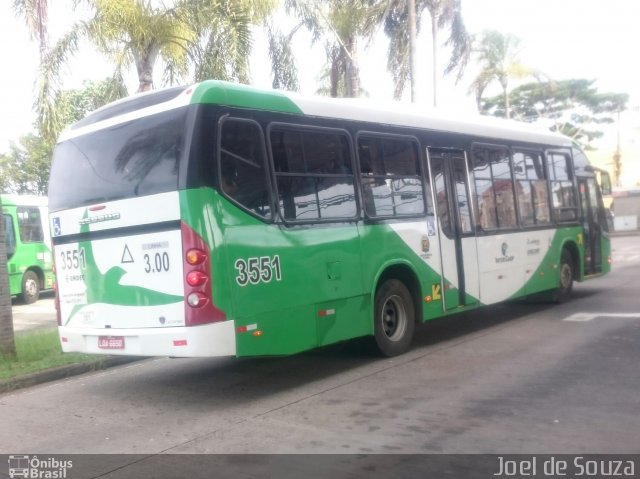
[[207, 340]]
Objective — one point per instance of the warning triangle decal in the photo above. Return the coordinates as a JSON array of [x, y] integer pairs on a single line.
[[126, 256]]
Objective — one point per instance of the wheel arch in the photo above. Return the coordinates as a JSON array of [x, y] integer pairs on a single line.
[[573, 250], [402, 271], [39, 273]]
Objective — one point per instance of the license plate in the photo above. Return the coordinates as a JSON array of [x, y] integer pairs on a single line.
[[111, 342]]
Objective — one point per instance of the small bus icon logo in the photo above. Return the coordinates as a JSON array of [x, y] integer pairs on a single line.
[[18, 466]]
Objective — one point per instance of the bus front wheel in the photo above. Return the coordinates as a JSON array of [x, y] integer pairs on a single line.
[[30, 287], [394, 320]]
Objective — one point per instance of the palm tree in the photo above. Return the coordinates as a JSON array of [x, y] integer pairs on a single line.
[[213, 39], [347, 21], [443, 13], [35, 14], [401, 20], [283, 65], [341, 23], [498, 57], [7, 339]]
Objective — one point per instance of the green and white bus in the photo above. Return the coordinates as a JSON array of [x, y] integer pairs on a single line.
[[29, 260], [221, 219]]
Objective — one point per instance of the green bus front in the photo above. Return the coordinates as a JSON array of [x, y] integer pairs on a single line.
[[29, 261]]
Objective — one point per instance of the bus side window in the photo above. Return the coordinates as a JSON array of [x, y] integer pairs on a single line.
[[494, 187], [563, 192], [390, 176], [10, 236], [243, 175], [531, 188], [314, 176]]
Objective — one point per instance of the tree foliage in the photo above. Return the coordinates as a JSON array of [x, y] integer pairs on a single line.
[[199, 38], [340, 25], [572, 107], [498, 57], [394, 16], [24, 169]]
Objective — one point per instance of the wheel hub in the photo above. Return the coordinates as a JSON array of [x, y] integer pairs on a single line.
[[394, 318]]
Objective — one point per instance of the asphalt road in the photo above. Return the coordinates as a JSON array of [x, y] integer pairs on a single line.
[[515, 378], [37, 316]]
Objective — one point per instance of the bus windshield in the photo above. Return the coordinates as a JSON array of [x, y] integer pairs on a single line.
[[130, 159]]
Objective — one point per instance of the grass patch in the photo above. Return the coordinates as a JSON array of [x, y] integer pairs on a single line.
[[37, 351]]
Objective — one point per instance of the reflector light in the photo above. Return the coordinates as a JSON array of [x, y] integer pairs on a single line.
[[195, 256], [179, 342], [196, 278], [196, 300], [64, 340], [248, 327]]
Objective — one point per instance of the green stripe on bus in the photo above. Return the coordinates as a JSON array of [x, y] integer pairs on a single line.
[[243, 96]]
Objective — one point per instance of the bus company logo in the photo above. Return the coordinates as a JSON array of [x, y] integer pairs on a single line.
[[33, 467], [99, 218], [505, 258], [425, 244]]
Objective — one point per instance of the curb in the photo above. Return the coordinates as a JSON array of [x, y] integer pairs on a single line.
[[624, 233], [62, 372]]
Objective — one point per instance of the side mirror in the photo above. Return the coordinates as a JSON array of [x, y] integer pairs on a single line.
[[605, 183]]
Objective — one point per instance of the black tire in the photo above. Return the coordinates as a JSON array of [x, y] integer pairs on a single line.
[[566, 277], [30, 288], [394, 318]]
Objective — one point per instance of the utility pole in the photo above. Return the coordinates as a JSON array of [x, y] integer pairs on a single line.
[[617, 157]]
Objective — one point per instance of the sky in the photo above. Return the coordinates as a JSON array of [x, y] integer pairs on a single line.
[[564, 39]]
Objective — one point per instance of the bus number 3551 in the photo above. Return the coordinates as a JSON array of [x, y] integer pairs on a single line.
[[73, 259], [256, 270]]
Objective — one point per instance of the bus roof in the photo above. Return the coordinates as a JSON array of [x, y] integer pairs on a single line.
[[23, 200], [388, 113]]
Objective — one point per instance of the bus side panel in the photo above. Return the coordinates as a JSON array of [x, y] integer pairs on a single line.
[[543, 275], [293, 287], [15, 280], [408, 243]]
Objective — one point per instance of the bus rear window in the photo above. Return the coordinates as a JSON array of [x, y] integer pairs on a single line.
[[136, 158]]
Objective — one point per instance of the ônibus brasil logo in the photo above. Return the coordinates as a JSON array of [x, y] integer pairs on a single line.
[[33, 467]]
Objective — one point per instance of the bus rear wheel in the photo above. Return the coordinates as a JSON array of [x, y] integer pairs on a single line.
[[30, 287], [394, 318]]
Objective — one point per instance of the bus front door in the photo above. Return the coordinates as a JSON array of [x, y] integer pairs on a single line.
[[592, 224], [449, 175]]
